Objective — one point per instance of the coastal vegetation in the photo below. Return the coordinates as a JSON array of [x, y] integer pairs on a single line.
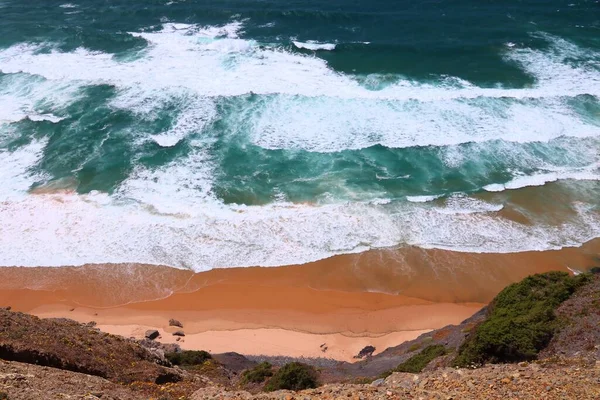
[[188, 357], [520, 321], [293, 376], [258, 374], [416, 363]]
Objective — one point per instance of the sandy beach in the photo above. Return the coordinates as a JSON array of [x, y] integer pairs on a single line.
[[378, 298]]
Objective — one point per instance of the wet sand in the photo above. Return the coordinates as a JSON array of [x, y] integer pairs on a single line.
[[380, 297]]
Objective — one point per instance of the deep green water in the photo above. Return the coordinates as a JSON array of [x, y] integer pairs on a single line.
[[201, 134]]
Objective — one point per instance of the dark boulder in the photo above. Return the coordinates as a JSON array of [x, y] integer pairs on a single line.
[[152, 334], [367, 351]]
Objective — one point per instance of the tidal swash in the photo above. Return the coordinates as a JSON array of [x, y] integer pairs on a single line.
[[202, 134]]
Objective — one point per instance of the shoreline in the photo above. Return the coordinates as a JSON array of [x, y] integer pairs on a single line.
[[380, 298]]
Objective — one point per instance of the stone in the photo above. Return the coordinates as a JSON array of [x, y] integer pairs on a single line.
[[178, 333], [367, 351], [378, 382], [174, 322], [152, 334]]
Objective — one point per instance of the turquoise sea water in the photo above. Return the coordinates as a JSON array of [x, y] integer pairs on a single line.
[[230, 133]]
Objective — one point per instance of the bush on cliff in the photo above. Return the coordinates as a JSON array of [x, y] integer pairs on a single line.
[[258, 374], [188, 357], [293, 376], [520, 320], [416, 363]]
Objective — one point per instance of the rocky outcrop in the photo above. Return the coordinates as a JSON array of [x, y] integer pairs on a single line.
[[367, 351], [563, 379], [68, 345]]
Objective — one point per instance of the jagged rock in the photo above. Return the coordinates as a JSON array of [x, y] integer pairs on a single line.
[[152, 334], [367, 351], [174, 322], [178, 333], [160, 355]]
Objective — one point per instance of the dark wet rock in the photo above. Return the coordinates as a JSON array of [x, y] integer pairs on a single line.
[[367, 351], [152, 334]]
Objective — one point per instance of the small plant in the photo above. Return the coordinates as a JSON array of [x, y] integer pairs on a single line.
[[520, 320], [416, 363], [3, 396], [188, 357], [414, 347], [258, 374], [293, 376]]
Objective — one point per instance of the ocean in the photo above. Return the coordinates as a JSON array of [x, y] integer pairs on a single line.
[[204, 134]]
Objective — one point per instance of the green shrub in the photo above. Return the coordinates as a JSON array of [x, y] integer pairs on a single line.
[[293, 376], [258, 374], [414, 347], [3, 396], [188, 357], [416, 363], [520, 320]]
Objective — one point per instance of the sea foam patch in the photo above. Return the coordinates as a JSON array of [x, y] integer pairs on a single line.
[[78, 229], [313, 45]]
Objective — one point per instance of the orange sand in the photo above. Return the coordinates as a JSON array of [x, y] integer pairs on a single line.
[[379, 297]]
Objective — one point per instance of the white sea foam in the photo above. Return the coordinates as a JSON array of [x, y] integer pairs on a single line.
[[86, 229], [170, 215], [311, 107], [312, 45], [23, 96], [422, 199], [463, 204], [580, 174], [181, 55], [16, 172]]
